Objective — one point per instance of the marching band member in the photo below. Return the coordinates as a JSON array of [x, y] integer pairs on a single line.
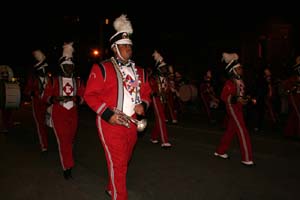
[[34, 90], [292, 88], [160, 127], [166, 79], [208, 96], [118, 84], [233, 95], [65, 94]]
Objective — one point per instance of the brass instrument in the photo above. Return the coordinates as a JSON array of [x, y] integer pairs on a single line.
[[125, 120]]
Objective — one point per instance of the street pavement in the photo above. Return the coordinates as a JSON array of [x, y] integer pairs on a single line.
[[187, 171]]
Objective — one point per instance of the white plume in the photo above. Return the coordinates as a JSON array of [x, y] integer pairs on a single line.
[[38, 55], [68, 50], [228, 57], [122, 24], [157, 56]]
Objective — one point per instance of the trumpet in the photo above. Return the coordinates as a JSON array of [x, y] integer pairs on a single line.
[[125, 120]]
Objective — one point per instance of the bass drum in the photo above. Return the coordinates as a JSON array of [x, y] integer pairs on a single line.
[[188, 92], [10, 95]]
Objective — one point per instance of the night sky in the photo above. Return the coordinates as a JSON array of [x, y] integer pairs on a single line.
[[181, 36]]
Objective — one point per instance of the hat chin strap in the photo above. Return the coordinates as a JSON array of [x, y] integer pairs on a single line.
[[62, 69], [65, 73], [236, 75], [118, 52]]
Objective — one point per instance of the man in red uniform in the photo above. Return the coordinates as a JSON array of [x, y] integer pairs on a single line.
[[116, 90], [292, 88], [65, 94], [160, 127], [166, 77], [34, 89], [234, 97]]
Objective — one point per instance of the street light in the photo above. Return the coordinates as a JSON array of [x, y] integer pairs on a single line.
[[95, 53]]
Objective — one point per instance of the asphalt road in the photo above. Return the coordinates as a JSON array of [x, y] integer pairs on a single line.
[[187, 171]]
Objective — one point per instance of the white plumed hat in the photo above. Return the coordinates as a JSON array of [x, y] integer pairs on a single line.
[[124, 30], [67, 56], [158, 58], [232, 61], [40, 58]]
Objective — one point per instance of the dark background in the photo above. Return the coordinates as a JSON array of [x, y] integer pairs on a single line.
[[191, 41]]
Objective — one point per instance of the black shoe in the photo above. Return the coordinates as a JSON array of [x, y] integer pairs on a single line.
[[68, 174]]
